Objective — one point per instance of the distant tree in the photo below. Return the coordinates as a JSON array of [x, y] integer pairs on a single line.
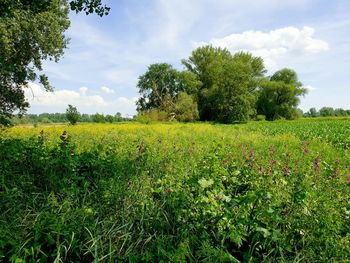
[[85, 118], [279, 95], [109, 118], [118, 117], [340, 112], [98, 118], [44, 120], [30, 33], [326, 112], [313, 112], [72, 114], [299, 113]]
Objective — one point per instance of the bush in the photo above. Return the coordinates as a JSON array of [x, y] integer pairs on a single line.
[[260, 117], [151, 116]]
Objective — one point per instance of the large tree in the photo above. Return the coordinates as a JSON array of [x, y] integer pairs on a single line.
[[161, 84], [279, 95], [229, 83], [32, 31]]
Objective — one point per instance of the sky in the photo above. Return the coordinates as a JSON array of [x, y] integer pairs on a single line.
[[100, 69]]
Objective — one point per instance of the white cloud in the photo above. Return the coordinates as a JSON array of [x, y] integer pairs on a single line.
[[106, 90], [272, 45], [35, 95], [83, 90], [310, 88], [57, 101]]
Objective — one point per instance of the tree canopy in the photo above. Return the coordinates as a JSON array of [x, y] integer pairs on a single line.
[[162, 87], [32, 31], [279, 95], [72, 114], [225, 87]]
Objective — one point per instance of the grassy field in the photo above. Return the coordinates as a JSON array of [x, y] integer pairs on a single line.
[[256, 192]]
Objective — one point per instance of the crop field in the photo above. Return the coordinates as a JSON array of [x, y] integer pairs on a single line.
[[256, 192]]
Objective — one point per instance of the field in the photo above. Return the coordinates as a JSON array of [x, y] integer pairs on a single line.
[[256, 192]]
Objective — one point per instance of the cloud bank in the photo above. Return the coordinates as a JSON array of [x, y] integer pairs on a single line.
[[273, 45], [57, 101]]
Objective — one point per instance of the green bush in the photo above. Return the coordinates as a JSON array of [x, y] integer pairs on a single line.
[[260, 118]]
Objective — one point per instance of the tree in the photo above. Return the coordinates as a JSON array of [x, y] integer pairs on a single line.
[[326, 111], [72, 114], [313, 112], [340, 112], [161, 84], [186, 109], [279, 95], [89, 6], [109, 118], [30, 32], [118, 117], [98, 118], [229, 83]]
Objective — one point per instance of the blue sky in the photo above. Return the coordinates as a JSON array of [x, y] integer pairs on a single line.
[[100, 69]]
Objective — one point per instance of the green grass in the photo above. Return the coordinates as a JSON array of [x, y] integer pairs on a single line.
[[260, 192]]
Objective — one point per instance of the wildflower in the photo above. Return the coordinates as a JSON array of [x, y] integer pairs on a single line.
[[251, 155], [348, 178], [287, 154], [316, 164], [272, 162], [268, 171], [297, 167], [272, 150], [218, 198]]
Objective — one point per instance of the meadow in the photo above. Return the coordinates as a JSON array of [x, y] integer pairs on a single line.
[[174, 192]]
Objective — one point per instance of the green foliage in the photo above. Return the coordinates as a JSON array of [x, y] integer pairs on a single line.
[[226, 88], [186, 108], [228, 81], [326, 111], [109, 118], [89, 6], [72, 114], [313, 112], [160, 85], [279, 96], [173, 193], [260, 117], [331, 130], [154, 115], [31, 32], [98, 118]]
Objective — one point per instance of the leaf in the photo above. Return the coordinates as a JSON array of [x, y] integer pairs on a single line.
[[263, 231], [205, 183]]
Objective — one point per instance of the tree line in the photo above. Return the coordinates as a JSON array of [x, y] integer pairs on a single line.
[[46, 118], [216, 85], [327, 112]]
